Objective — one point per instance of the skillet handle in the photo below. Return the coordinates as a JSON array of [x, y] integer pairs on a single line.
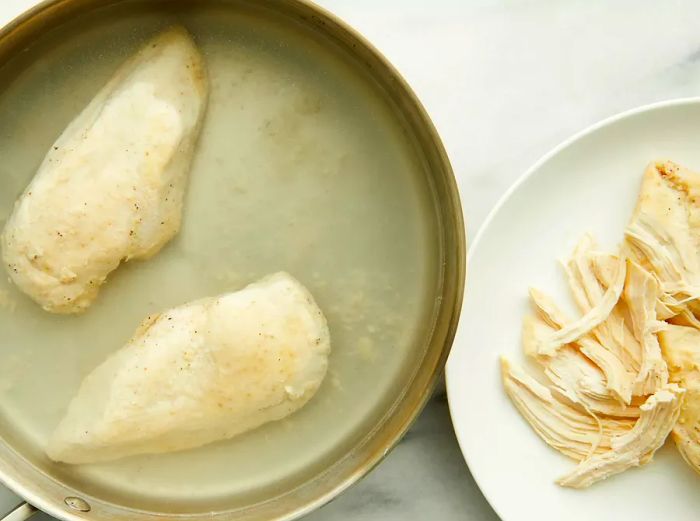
[[21, 513]]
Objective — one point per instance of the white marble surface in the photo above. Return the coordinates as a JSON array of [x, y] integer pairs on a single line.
[[504, 82]]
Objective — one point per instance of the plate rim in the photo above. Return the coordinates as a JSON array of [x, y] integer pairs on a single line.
[[452, 400]]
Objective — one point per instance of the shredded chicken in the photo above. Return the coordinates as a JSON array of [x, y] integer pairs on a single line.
[[641, 292], [681, 348], [635, 447], [584, 271], [565, 428], [595, 315], [617, 380]]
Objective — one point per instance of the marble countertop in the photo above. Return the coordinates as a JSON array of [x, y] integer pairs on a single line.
[[504, 81]]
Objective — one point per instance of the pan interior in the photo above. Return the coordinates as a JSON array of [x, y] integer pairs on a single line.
[[303, 165]]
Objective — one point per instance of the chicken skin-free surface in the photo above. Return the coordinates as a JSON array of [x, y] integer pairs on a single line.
[[111, 187], [198, 373]]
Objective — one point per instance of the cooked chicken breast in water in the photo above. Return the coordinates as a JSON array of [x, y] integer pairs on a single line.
[[111, 187], [199, 373]]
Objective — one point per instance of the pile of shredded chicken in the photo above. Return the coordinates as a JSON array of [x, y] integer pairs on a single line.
[[606, 388]]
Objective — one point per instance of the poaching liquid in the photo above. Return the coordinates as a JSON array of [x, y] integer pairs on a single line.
[[302, 166]]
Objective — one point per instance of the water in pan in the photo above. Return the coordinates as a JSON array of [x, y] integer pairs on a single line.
[[302, 167]]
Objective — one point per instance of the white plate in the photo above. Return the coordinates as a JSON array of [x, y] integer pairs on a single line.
[[589, 183]]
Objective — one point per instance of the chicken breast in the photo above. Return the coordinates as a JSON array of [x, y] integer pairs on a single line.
[[111, 187], [664, 232], [681, 348], [199, 373]]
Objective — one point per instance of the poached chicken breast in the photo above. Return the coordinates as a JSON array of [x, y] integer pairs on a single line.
[[111, 187], [198, 373]]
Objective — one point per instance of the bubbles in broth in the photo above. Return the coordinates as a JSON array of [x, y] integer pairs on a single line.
[[302, 166]]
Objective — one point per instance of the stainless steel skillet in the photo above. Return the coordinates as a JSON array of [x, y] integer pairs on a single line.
[[50, 488]]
